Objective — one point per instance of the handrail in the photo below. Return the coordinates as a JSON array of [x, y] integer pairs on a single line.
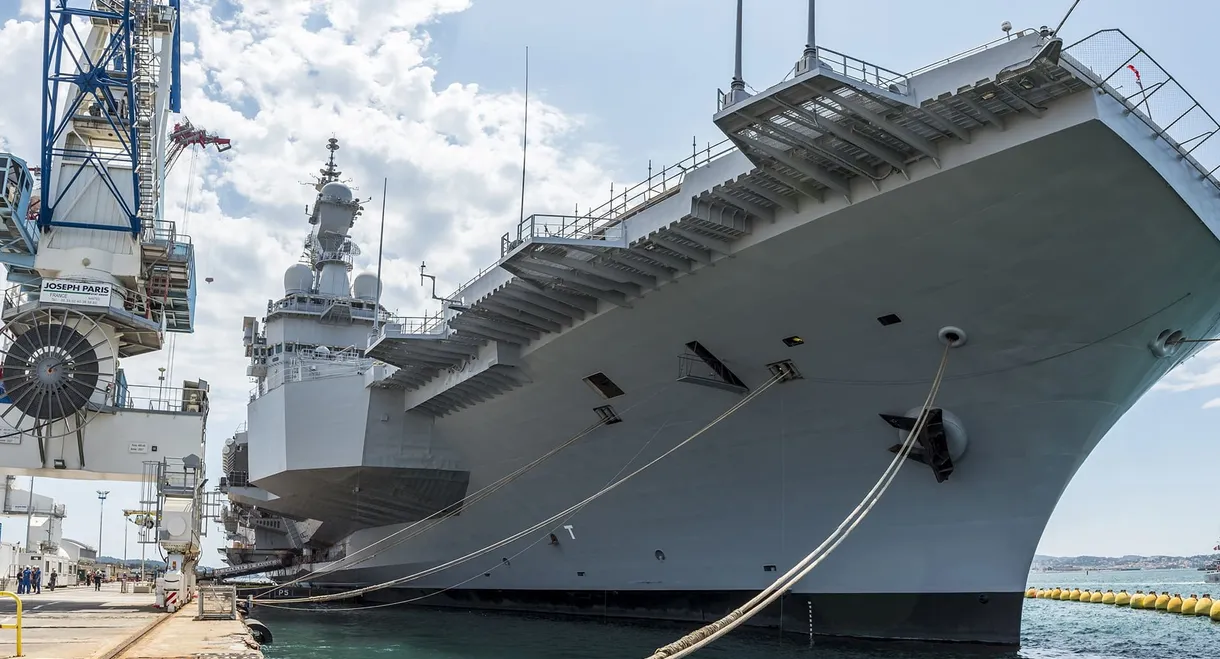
[[863, 71], [657, 187], [1185, 130], [563, 226], [427, 324], [966, 53], [160, 398], [16, 626]]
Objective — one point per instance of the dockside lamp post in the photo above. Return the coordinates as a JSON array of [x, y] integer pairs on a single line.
[[101, 506]]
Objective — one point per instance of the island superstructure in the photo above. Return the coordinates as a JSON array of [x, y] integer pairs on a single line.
[[1041, 207]]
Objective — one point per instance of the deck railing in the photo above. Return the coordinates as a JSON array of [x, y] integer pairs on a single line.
[[301, 369], [1126, 72], [587, 225], [564, 226], [865, 72], [160, 399], [967, 53]]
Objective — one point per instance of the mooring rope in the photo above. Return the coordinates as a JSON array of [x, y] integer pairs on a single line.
[[509, 559], [699, 638], [348, 562], [516, 536]]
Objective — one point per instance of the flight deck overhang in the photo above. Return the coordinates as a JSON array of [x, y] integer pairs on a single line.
[[839, 133], [844, 119]]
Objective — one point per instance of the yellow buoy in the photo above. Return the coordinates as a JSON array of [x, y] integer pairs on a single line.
[[1150, 600], [1055, 593], [1204, 605], [1108, 598], [1162, 601], [1175, 604], [1137, 600], [1031, 593], [1188, 605], [1122, 598], [1085, 595], [1074, 596], [1215, 612], [1096, 597]]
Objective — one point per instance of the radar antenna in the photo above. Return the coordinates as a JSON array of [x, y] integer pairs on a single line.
[[330, 172]]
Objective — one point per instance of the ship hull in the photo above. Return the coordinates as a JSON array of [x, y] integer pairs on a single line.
[[1062, 258], [932, 617]]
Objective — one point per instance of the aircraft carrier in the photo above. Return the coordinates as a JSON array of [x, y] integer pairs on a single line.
[[1049, 209]]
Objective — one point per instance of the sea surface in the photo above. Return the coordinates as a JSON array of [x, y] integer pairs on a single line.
[[1050, 630]]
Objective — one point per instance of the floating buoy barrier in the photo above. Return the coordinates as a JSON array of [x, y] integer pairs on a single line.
[[1200, 606]]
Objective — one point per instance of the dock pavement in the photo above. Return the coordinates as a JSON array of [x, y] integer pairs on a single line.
[[78, 622]]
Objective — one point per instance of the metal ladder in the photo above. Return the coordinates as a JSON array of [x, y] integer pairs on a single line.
[[145, 107]]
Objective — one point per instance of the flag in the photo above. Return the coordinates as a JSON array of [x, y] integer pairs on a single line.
[[1136, 72]]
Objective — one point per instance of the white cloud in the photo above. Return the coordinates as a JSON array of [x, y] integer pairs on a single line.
[[278, 89], [1202, 371]]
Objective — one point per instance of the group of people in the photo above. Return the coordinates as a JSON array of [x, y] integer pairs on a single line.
[[93, 578], [29, 581]]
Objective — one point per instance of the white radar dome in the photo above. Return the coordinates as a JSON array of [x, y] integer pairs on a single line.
[[298, 278], [365, 287], [337, 190]]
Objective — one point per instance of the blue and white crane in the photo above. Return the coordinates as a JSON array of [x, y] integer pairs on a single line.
[[98, 274]]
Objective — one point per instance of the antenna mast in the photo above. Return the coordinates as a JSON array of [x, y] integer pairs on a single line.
[[385, 185], [811, 44], [525, 136], [737, 89]]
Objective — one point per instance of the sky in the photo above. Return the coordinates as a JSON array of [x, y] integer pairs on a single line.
[[428, 93]]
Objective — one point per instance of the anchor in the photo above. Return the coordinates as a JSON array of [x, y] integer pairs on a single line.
[[932, 446]]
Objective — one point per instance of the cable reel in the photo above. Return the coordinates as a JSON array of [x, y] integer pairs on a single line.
[[56, 373]]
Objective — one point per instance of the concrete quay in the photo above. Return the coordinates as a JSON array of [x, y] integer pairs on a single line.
[[81, 623]]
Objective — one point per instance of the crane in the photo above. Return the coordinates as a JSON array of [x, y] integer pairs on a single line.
[[98, 273]]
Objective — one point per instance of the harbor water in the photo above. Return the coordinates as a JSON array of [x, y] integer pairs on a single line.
[[1051, 630]]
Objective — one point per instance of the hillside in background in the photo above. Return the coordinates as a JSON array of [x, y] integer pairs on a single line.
[[133, 563], [1128, 562]]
